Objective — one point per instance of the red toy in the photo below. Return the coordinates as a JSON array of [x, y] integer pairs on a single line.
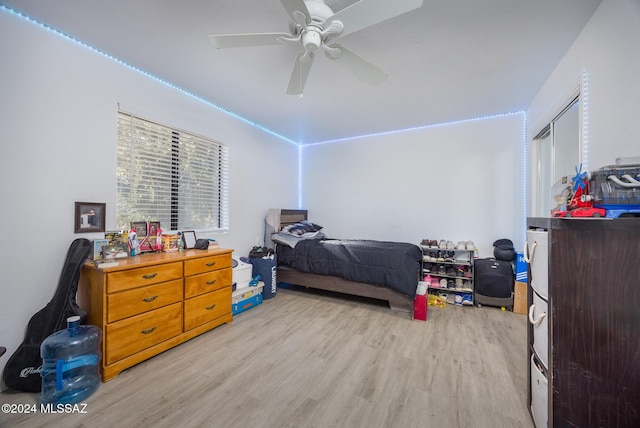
[[580, 204], [582, 212]]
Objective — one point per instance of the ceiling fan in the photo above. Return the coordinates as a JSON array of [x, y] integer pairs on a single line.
[[314, 25]]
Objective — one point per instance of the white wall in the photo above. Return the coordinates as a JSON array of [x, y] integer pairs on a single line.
[[58, 109], [607, 51], [458, 182]]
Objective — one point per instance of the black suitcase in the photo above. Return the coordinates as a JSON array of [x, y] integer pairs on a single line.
[[493, 282]]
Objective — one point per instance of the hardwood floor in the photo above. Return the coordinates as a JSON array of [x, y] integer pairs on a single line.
[[314, 359]]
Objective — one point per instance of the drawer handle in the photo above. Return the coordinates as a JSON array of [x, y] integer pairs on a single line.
[[149, 299], [538, 320], [150, 276], [213, 281], [210, 264], [210, 307], [528, 257], [149, 330]]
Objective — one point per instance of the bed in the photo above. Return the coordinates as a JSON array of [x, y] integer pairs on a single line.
[[381, 270]]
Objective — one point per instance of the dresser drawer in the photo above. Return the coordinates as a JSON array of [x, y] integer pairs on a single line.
[[143, 299], [205, 282], [134, 334], [139, 277], [207, 307], [206, 264]]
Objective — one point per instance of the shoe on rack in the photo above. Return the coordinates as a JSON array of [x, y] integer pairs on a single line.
[[470, 246], [461, 245], [442, 245], [467, 300], [450, 298], [467, 272], [443, 283], [435, 282], [458, 283], [433, 243], [466, 286], [458, 299], [425, 242]]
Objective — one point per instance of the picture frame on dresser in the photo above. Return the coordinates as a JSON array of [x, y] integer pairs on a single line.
[[89, 217], [189, 238]]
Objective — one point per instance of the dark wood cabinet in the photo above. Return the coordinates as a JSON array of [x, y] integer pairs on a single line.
[[593, 369]]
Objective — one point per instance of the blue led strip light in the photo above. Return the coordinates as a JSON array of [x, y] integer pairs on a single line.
[[414, 128], [585, 120], [300, 148], [525, 176], [156, 78]]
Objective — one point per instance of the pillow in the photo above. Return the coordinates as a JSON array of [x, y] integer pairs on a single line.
[[291, 240], [303, 228]]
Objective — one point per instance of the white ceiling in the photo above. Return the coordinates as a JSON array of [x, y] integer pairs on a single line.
[[449, 60]]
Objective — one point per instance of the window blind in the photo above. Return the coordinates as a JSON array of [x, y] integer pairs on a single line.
[[171, 176]]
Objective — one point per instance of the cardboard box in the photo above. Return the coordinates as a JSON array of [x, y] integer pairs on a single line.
[[520, 298], [521, 268]]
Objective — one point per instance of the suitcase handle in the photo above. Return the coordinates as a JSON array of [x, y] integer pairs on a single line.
[[528, 258], [538, 320]]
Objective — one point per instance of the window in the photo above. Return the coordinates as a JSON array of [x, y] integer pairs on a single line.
[[170, 176], [557, 156]]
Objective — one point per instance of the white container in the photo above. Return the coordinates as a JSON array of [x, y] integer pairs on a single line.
[[538, 317], [539, 396], [244, 293], [537, 254], [242, 273]]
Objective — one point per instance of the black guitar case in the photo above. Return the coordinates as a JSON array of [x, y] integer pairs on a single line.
[[22, 371]]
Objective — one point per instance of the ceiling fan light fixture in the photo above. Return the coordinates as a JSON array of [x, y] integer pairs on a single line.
[[311, 39]]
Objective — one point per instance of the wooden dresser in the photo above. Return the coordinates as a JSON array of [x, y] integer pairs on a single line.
[[152, 302], [584, 330]]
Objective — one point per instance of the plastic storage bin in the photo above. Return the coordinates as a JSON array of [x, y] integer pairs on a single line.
[[242, 274], [70, 363]]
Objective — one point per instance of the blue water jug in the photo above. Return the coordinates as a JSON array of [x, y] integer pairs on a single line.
[[70, 363]]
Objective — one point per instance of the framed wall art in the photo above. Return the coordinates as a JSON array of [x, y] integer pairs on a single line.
[[90, 217]]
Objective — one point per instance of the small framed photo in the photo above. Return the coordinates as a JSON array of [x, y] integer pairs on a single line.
[[96, 251], [189, 238], [90, 217]]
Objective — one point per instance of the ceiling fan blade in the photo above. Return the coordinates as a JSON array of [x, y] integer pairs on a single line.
[[357, 65], [291, 6], [300, 72], [366, 13], [246, 40]]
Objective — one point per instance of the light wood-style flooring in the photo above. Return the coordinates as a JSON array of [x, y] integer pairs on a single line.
[[315, 359]]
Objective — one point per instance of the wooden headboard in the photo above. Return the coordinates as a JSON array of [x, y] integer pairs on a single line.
[[288, 217]]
